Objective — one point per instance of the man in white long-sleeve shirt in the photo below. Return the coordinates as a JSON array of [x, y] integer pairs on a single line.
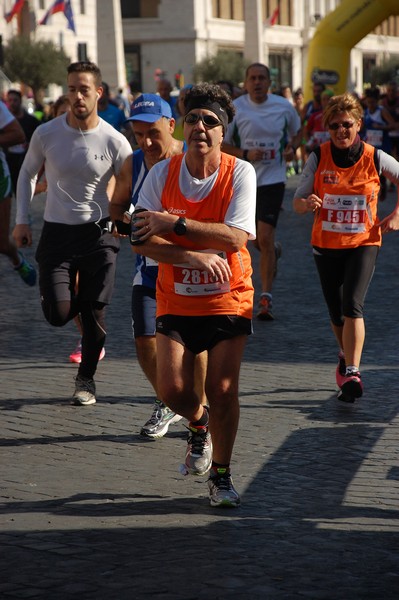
[[81, 153]]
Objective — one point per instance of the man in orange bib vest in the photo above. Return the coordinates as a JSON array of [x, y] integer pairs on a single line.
[[200, 213]]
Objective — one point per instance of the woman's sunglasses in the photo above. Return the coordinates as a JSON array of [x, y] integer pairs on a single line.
[[345, 125], [208, 120]]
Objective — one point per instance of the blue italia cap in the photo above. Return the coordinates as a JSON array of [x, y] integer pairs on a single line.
[[149, 108]]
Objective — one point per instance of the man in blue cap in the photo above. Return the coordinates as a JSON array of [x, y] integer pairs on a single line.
[[153, 126]]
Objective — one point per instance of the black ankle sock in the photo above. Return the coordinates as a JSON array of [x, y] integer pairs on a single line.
[[203, 421]]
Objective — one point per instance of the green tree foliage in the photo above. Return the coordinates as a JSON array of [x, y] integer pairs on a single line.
[[36, 64], [226, 64]]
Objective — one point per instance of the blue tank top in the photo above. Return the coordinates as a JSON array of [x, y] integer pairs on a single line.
[[146, 269]]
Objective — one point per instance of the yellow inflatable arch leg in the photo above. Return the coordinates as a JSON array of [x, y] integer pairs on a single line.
[[337, 33]]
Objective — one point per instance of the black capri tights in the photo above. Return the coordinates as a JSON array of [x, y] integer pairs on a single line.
[[345, 276]]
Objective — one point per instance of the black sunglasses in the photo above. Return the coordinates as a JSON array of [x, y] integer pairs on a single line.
[[208, 120], [345, 125]]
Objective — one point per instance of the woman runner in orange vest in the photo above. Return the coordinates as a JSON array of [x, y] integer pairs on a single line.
[[340, 185]]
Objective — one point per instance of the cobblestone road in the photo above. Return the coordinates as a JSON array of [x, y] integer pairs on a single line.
[[91, 511]]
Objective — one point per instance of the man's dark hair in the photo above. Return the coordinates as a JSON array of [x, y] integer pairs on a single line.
[[16, 93], [60, 102], [210, 92], [320, 85], [85, 66], [228, 84], [373, 92], [258, 65]]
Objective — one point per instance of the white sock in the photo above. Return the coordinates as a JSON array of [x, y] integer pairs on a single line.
[[267, 294], [351, 369]]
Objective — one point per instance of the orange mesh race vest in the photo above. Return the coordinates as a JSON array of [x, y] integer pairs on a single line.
[[348, 215], [183, 290]]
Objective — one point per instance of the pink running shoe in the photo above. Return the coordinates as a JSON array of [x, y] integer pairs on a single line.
[[340, 370], [352, 385], [76, 356]]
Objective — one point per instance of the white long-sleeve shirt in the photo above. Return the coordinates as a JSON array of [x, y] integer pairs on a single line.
[[78, 165]]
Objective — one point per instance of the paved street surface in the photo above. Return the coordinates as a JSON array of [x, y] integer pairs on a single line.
[[91, 511]]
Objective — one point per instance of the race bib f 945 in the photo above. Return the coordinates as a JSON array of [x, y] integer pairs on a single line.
[[344, 214]]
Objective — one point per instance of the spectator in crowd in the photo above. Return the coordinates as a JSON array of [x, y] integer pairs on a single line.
[[11, 133], [313, 105], [178, 133], [227, 86], [164, 89], [377, 123], [315, 132], [286, 92], [300, 154], [390, 101], [109, 111], [122, 102], [15, 154]]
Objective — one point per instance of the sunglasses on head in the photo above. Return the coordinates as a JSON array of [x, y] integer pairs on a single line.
[[345, 125], [209, 121]]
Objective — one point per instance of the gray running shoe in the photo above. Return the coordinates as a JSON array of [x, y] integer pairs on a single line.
[[85, 391], [158, 424], [222, 492], [199, 451]]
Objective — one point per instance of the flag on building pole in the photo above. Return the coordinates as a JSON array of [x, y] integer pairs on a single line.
[[63, 6], [16, 9], [272, 20], [69, 16]]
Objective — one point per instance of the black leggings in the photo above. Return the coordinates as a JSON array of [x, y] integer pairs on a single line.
[[345, 276], [92, 316]]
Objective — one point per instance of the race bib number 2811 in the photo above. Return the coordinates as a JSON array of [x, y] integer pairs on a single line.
[[189, 281]]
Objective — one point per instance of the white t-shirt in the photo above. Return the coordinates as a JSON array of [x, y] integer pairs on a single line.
[[78, 166], [269, 126], [241, 210]]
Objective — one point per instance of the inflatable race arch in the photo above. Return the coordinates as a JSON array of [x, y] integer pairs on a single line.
[[335, 36]]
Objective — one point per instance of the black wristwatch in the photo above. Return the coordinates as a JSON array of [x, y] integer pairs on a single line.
[[180, 227]]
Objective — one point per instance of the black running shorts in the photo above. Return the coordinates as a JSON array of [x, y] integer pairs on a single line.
[[203, 333], [65, 250], [269, 199]]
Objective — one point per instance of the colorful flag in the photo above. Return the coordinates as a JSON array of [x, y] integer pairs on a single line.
[[16, 9], [69, 16], [272, 20], [63, 6]]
